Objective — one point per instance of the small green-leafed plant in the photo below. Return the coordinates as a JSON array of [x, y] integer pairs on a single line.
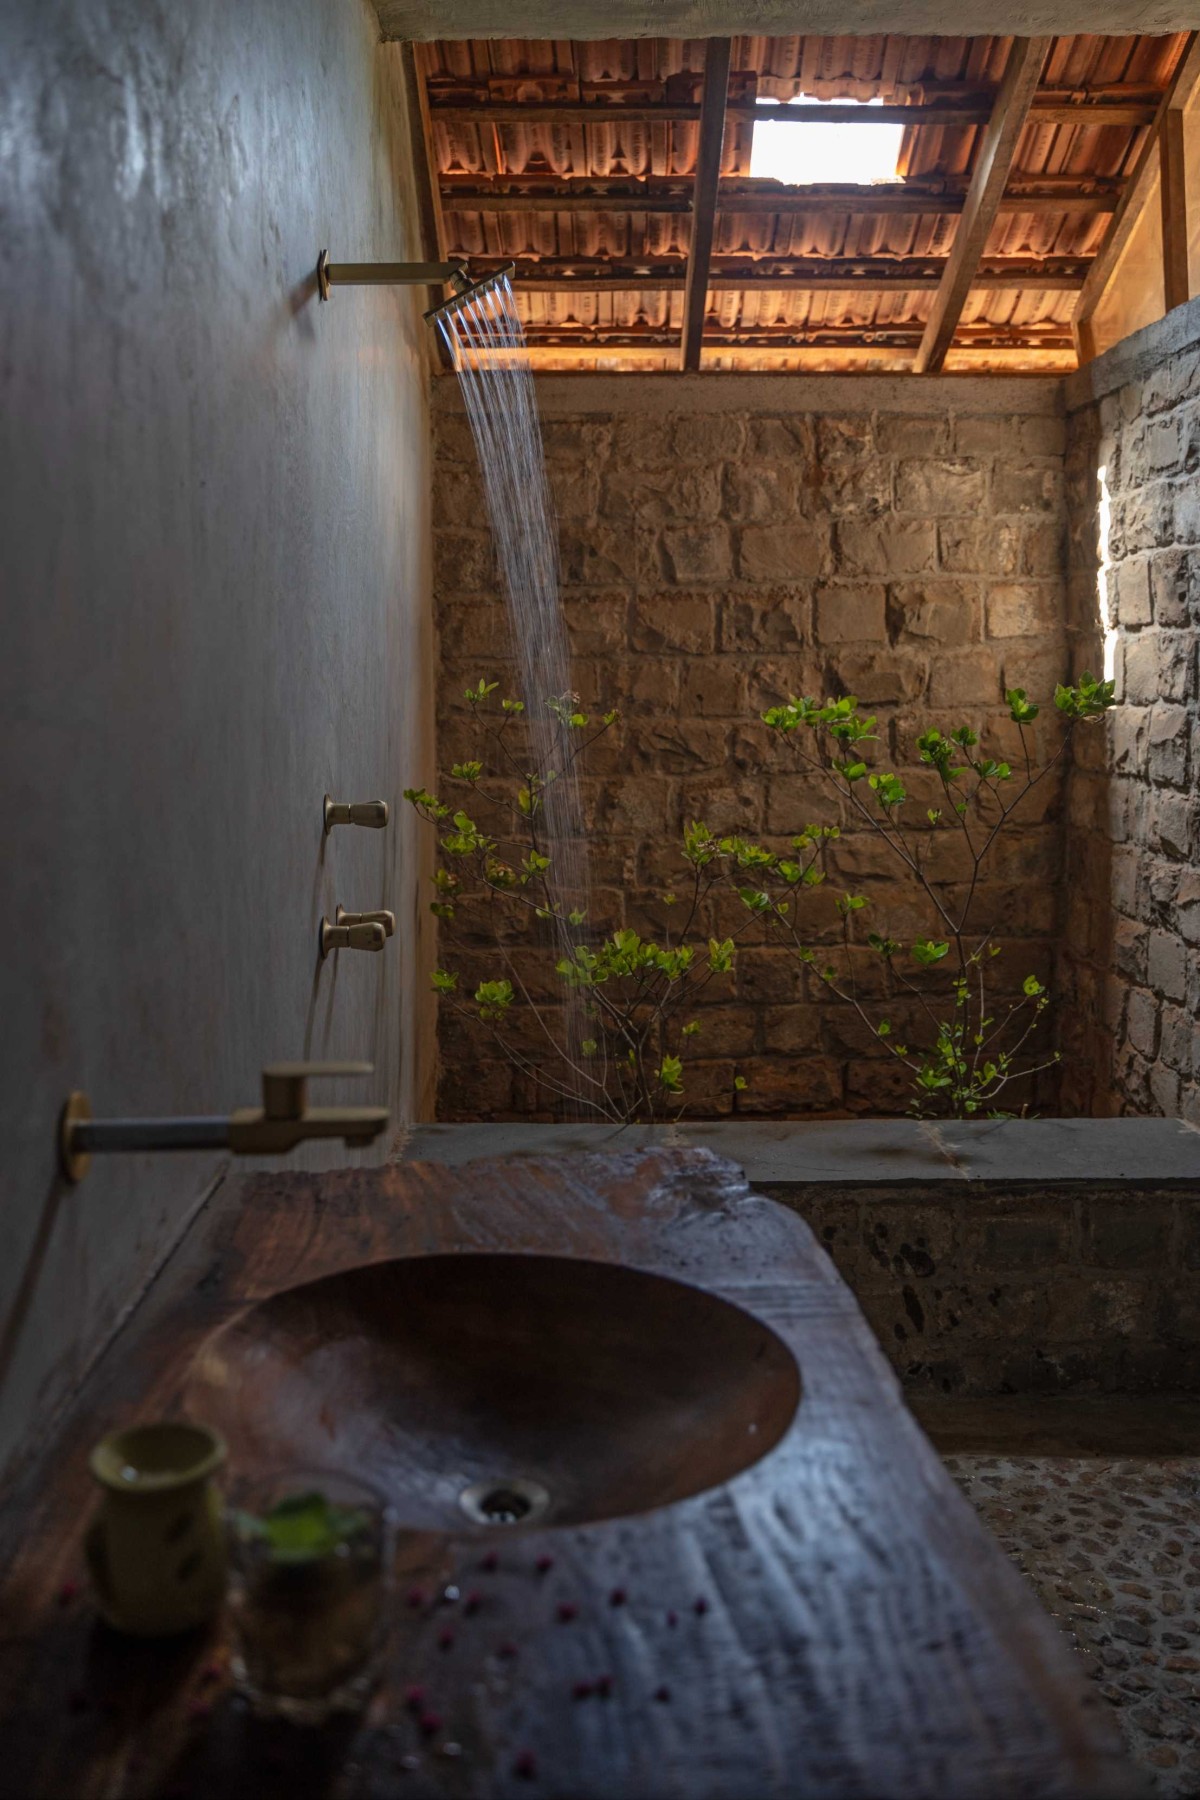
[[303, 1528], [966, 1035], [617, 1044]]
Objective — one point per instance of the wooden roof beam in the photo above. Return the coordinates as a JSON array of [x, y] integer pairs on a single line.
[[1135, 198], [431, 221], [713, 101], [1048, 111], [993, 165], [579, 195]]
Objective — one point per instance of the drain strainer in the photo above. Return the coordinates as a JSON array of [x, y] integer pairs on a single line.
[[512, 1501]]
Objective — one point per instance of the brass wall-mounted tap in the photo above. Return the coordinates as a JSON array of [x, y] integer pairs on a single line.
[[386, 919], [372, 813], [284, 1120], [345, 936]]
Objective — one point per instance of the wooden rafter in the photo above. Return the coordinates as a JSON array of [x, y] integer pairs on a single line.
[[993, 165], [717, 56], [543, 193], [929, 112], [1135, 197]]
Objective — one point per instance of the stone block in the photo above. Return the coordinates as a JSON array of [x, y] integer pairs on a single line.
[[1141, 1022], [1043, 434], [1168, 745], [1166, 966], [1030, 490], [1043, 549], [964, 678], [792, 438], [585, 441], [596, 622], [850, 614], [991, 434], [713, 688], [597, 556], [838, 439], [1024, 609], [782, 1085], [1131, 946], [782, 552], [1175, 587], [1140, 668], [1176, 1028], [1172, 823], [474, 628], [1126, 1233], [641, 442], [774, 619], [759, 490], [1129, 592], [696, 553], [893, 679], [791, 1030], [1162, 446], [662, 494], [863, 486], [725, 1031], [886, 547], [979, 546], [933, 612], [575, 488], [1021, 1240], [694, 436], [899, 434], [674, 621], [943, 486], [462, 562]]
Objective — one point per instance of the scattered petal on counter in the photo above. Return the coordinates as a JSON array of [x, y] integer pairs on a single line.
[[567, 1610], [67, 1592], [525, 1765], [618, 1597], [662, 1694], [544, 1563]]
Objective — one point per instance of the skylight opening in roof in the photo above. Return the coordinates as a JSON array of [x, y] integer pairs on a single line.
[[806, 154]]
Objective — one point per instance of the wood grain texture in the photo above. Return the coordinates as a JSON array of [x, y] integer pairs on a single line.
[[1139, 186], [717, 54], [860, 1635], [1173, 195], [993, 165]]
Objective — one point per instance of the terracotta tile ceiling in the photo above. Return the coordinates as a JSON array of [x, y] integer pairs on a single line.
[[596, 207]]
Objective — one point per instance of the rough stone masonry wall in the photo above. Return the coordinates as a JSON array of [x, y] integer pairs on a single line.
[[726, 542], [1132, 941]]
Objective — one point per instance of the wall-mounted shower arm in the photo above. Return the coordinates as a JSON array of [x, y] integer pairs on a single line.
[[467, 290], [400, 274]]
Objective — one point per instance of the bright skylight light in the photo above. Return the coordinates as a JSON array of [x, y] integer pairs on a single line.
[[804, 154]]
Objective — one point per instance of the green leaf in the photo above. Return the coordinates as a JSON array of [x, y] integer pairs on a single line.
[[494, 998], [304, 1527], [740, 1083], [926, 952], [1019, 708], [467, 771], [1032, 986], [669, 1073]]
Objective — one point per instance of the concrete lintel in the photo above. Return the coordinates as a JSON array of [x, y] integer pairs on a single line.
[[426, 19], [841, 393]]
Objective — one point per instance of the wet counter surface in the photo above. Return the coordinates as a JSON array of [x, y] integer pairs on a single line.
[[830, 1619]]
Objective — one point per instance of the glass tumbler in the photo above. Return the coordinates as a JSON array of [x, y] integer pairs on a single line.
[[310, 1556]]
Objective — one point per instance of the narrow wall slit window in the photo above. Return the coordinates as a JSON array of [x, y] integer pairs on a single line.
[[806, 154]]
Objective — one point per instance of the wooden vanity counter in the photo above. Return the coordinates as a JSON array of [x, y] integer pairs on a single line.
[[833, 1621]]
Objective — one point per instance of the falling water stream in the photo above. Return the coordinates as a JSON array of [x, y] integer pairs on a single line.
[[487, 346]]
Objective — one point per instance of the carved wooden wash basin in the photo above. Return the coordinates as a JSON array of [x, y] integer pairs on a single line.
[[805, 1604], [537, 1388]]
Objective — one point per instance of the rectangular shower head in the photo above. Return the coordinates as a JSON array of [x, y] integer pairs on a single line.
[[470, 291]]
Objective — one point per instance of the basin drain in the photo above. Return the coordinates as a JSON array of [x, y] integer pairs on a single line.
[[512, 1501]]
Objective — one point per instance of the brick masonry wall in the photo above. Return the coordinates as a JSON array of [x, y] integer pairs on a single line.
[[1131, 952], [727, 542]]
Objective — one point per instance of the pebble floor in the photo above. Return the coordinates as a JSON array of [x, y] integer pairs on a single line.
[[1112, 1548]]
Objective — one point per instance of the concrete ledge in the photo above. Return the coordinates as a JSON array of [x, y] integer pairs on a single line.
[[1134, 357], [776, 394], [904, 1153]]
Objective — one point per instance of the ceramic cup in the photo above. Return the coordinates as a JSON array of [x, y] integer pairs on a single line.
[[156, 1547]]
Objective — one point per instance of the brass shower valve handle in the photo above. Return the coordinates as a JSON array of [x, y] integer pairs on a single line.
[[371, 936], [386, 919], [371, 813]]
